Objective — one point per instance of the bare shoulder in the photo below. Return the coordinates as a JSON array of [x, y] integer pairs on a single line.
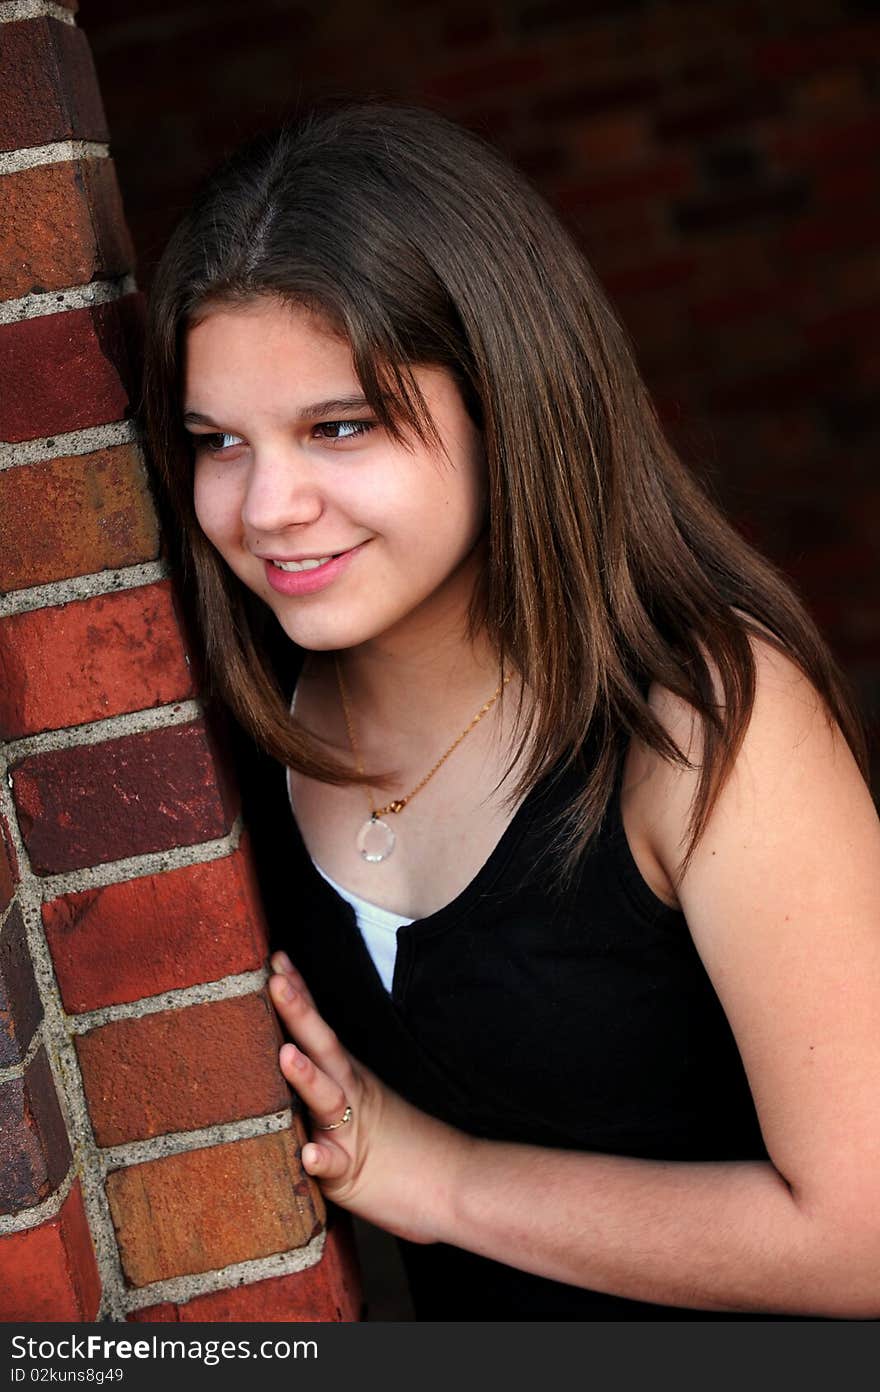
[[792, 749]]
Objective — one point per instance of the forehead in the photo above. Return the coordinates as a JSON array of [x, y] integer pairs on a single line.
[[263, 338]]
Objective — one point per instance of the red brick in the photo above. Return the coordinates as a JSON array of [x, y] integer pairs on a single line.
[[8, 865], [157, 933], [74, 516], [205, 1209], [49, 1272], [124, 797], [49, 87], [66, 371], [20, 1007], [62, 225], [328, 1292], [180, 1070], [34, 1149], [91, 659]]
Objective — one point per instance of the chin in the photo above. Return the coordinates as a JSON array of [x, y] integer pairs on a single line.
[[317, 641]]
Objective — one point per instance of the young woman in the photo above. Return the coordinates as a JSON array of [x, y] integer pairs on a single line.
[[575, 855]]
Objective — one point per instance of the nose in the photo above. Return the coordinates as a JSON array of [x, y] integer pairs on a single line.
[[281, 492]]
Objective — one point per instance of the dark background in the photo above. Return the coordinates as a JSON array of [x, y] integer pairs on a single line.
[[717, 161]]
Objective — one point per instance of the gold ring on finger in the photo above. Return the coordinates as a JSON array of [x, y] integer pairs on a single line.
[[334, 1125]]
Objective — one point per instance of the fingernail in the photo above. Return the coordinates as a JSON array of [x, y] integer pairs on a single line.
[[285, 990], [284, 962]]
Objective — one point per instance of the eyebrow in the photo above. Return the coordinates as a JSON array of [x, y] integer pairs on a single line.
[[333, 406]]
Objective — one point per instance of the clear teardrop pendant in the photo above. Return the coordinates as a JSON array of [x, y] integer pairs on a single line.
[[375, 840]]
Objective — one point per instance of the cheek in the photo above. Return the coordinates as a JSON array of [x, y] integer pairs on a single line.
[[216, 503]]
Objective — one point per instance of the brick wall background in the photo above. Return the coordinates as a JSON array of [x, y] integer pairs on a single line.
[[718, 161], [149, 1157]]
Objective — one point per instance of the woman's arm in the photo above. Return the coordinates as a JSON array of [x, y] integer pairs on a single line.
[[783, 900]]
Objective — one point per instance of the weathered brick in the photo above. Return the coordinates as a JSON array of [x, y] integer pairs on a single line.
[[74, 516], [328, 1292], [34, 1149], [49, 87], [8, 865], [128, 796], [20, 1007], [180, 1070], [91, 659], [204, 1209], [67, 371], [62, 225], [48, 1273], [156, 933]]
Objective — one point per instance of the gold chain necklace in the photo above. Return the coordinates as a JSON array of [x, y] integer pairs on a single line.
[[375, 840]]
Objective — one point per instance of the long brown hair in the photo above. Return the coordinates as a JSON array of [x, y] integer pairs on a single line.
[[608, 565]]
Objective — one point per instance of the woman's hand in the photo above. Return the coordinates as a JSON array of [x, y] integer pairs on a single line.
[[389, 1162]]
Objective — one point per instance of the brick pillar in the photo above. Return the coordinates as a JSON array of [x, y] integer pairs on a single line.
[[149, 1156]]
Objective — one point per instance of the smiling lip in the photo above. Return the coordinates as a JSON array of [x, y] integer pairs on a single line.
[[306, 582]]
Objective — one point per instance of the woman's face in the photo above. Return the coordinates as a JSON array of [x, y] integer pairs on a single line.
[[291, 464]]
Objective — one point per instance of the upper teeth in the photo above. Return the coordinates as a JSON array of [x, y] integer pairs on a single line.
[[302, 565]]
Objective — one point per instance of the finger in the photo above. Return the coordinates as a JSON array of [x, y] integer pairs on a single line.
[[310, 1030], [322, 1095], [325, 1160], [280, 962]]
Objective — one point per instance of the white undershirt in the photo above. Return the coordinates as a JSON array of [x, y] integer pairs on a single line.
[[378, 926]]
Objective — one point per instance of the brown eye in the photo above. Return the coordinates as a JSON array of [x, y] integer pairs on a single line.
[[216, 443], [343, 430]]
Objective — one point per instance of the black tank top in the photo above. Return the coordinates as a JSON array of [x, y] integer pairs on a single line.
[[583, 1020]]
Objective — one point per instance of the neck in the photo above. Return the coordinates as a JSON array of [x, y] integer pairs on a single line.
[[400, 697]]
